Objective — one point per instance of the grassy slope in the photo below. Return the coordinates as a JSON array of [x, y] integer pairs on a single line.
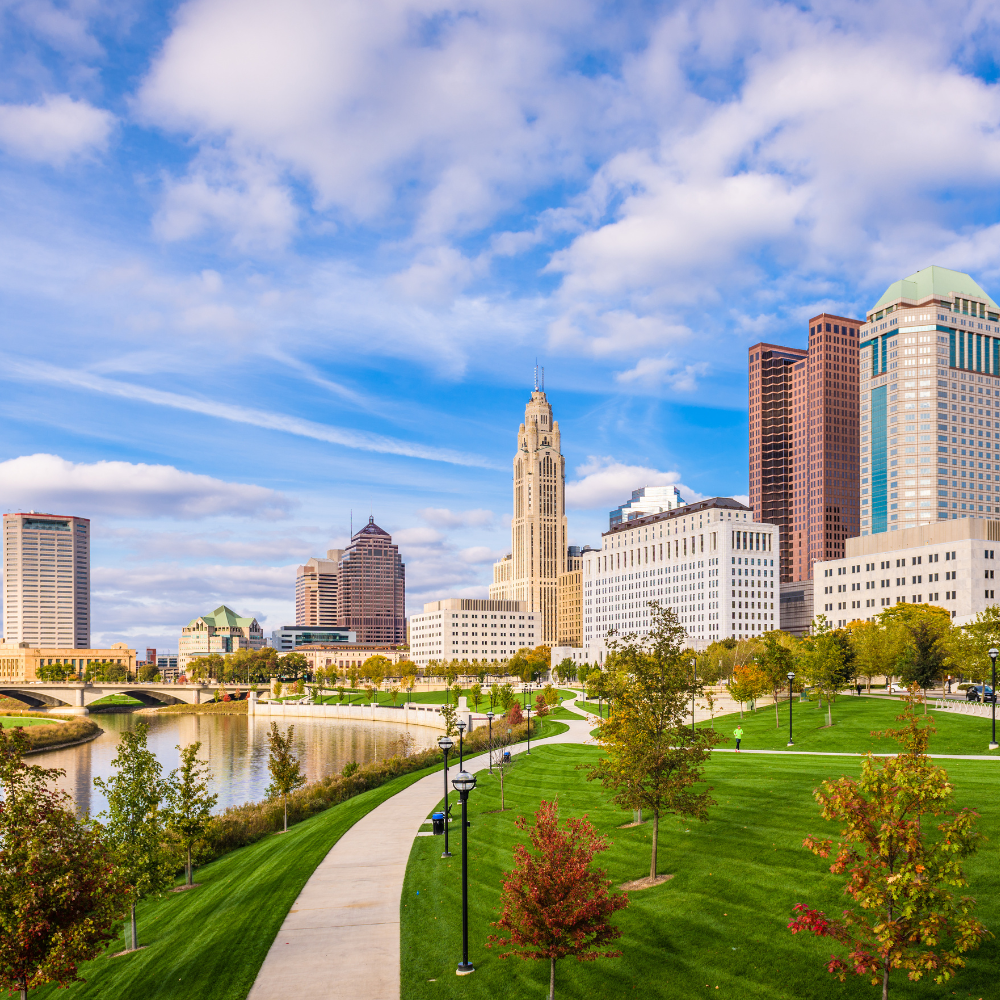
[[563, 713], [115, 699], [211, 941], [854, 718], [9, 722], [720, 922]]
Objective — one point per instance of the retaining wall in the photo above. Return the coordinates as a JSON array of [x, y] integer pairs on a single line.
[[407, 715]]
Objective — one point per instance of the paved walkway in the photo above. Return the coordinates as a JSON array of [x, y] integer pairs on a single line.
[[341, 936]]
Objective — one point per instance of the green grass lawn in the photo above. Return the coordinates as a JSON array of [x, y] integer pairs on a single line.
[[116, 699], [853, 721], [720, 922], [563, 713], [9, 722], [211, 941]]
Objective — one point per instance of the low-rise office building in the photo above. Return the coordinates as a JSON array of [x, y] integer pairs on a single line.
[[289, 638], [344, 656], [467, 629], [20, 661], [950, 563]]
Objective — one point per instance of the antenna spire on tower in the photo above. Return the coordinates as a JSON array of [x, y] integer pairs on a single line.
[[539, 377]]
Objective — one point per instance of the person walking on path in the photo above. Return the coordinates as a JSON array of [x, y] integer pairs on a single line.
[[738, 733]]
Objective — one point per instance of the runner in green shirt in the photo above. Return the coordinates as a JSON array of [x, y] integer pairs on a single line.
[[738, 733]]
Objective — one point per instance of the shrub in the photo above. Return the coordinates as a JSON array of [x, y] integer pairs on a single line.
[[514, 714]]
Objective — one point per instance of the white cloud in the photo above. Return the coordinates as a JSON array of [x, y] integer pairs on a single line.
[[53, 484], [603, 482], [55, 130], [445, 518], [666, 371]]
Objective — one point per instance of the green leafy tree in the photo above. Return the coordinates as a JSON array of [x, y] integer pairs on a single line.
[[551, 695], [566, 670], [449, 714], [555, 905], [133, 822], [968, 647], [651, 758], [61, 893], [476, 694], [148, 673], [746, 684], [293, 665], [456, 690], [775, 661], [284, 767], [824, 660], [925, 659], [876, 648], [901, 848], [189, 803]]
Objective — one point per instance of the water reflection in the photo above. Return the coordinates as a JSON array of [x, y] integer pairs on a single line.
[[234, 746]]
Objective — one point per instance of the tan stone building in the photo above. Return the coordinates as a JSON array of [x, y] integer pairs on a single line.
[[19, 662], [538, 525], [223, 631], [467, 628], [316, 591], [343, 656], [569, 590]]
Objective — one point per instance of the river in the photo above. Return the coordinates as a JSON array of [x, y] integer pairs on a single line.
[[234, 747]]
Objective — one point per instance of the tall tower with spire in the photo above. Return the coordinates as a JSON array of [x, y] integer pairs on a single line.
[[538, 525]]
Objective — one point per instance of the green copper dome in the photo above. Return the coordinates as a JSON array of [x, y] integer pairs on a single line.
[[932, 282]]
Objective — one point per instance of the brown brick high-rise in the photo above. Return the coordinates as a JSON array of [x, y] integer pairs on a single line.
[[771, 440], [371, 596], [804, 427]]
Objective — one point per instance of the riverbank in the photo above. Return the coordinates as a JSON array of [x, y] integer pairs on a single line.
[[209, 708], [54, 732]]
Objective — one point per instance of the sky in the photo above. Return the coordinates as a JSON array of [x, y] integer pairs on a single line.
[[269, 268]]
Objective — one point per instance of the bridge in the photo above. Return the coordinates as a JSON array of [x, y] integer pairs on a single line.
[[73, 698]]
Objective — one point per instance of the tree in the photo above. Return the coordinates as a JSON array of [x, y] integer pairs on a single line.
[[924, 662], [775, 662], [501, 760], [133, 821], [876, 648], [900, 620], [60, 895], [651, 757], [747, 684], [826, 660], [148, 672], [565, 670], [555, 905], [551, 695], [541, 705], [284, 767], [476, 693], [901, 847], [189, 804], [448, 714], [514, 715]]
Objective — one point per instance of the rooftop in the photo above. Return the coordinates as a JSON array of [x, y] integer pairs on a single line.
[[223, 617], [932, 282], [712, 503]]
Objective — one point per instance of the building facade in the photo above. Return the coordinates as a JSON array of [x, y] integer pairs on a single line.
[[951, 563], [371, 591], [530, 574], [223, 631], [930, 403], [646, 500], [19, 661], [46, 566], [289, 638], [804, 441], [345, 656], [709, 561], [466, 629], [569, 598], [316, 591]]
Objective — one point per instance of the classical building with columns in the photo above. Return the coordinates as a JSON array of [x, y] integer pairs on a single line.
[[531, 571]]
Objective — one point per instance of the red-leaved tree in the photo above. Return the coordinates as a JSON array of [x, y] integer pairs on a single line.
[[514, 714], [901, 867], [554, 904]]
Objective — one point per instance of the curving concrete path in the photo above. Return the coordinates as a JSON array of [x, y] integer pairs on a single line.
[[341, 936]]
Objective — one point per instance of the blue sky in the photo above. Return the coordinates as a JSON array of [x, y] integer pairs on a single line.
[[265, 264]]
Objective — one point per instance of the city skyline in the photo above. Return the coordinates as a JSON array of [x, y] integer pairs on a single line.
[[240, 304]]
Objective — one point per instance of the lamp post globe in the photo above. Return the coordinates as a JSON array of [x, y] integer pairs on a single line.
[[993, 660], [489, 718], [791, 677], [464, 783], [445, 743]]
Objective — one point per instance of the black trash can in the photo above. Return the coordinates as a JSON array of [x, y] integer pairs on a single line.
[[438, 820]]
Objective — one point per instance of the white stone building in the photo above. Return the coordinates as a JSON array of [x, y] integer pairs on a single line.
[[709, 561], [950, 563], [461, 628]]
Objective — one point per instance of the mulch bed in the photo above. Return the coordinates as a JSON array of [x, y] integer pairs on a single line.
[[645, 883]]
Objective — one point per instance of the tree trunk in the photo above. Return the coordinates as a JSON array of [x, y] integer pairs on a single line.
[[24, 992], [284, 799], [135, 931], [189, 865], [776, 726], [885, 980], [656, 834], [829, 711], [552, 979]]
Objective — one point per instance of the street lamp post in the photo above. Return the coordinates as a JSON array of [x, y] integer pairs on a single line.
[[791, 677], [464, 783], [461, 746], [993, 659], [489, 718], [694, 668], [446, 743], [528, 714]]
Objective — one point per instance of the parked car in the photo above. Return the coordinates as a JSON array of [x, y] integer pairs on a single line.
[[980, 692]]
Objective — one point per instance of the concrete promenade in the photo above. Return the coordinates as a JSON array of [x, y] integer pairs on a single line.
[[341, 936]]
